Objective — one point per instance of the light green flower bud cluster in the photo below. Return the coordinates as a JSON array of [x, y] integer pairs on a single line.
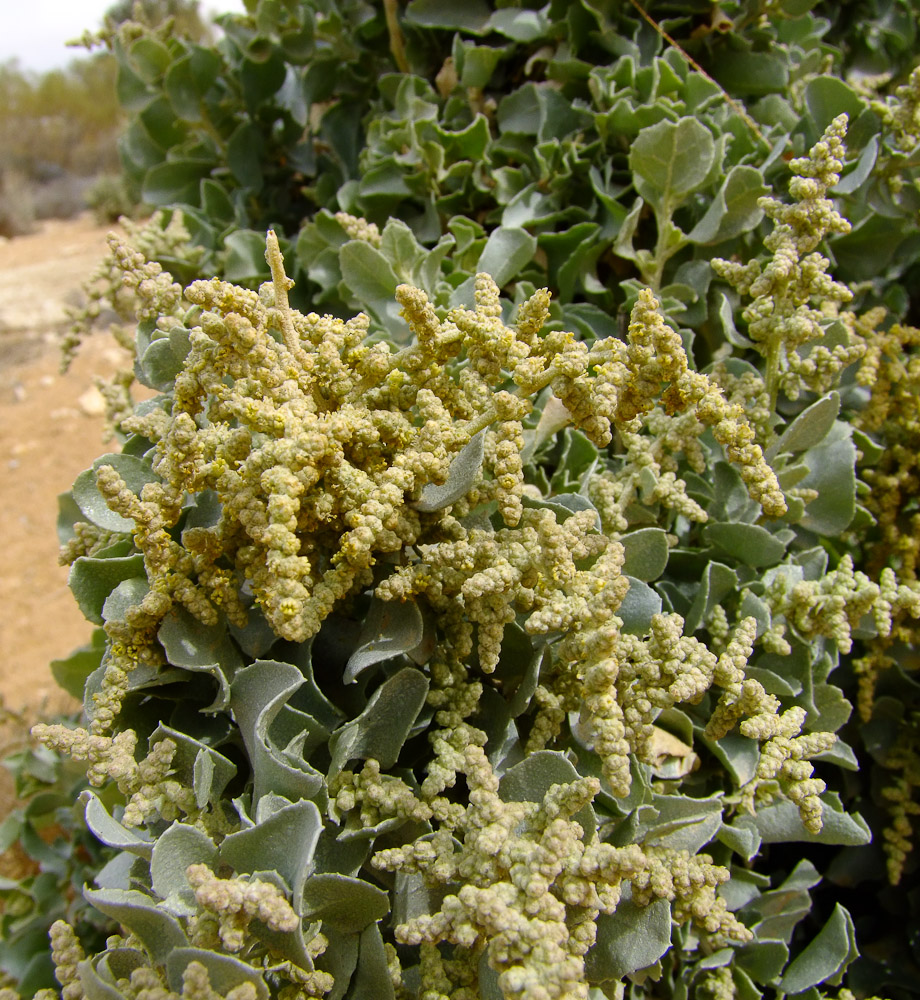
[[534, 880], [785, 327], [321, 446], [902, 116], [152, 793], [237, 901], [106, 289], [66, 953], [358, 229], [833, 605], [903, 759], [785, 757]]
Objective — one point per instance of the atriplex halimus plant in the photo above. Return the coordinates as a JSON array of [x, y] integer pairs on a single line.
[[488, 660]]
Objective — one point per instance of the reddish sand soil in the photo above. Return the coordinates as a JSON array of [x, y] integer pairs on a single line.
[[50, 430]]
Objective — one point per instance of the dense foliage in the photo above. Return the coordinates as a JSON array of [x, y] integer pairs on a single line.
[[498, 632]]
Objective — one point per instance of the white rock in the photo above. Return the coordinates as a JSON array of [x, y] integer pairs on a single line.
[[92, 403]]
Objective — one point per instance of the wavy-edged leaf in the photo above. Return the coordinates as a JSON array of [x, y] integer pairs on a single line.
[[462, 474], [258, 694], [179, 846], [809, 428], [632, 938], [110, 831], [283, 843], [506, 253], [390, 628], [92, 579], [639, 606], [225, 972], [135, 472], [349, 903], [206, 649], [646, 553], [750, 544], [157, 930], [384, 725], [673, 158], [826, 957], [735, 209]]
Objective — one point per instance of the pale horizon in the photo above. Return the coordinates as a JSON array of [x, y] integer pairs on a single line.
[[35, 33]]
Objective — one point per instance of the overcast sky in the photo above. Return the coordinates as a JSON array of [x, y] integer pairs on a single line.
[[35, 31]]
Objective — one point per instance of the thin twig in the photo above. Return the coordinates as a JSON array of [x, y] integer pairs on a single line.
[[397, 43], [732, 103]]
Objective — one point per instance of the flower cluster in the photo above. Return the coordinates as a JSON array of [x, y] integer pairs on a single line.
[[329, 454], [237, 901], [784, 325], [534, 877], [152, 793]]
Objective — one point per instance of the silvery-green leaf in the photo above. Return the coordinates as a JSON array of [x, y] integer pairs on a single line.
[[340, 960], [750, 544], [743, 840], [414, 897], [158, 931], [530, 780], [833, 475], [563, 505], [94, 987], [717, 582], [349, 903], [283, 843], [463, 473], [117, 873], [506, 253], [646, 553], [632, 938], [763, 960], [176, 848], [826, 957], [382, 728], [470, 17], [258, 694], [369, 277], [780, 824], [72, 672], [773, 683], [196, 764], [224, 971], [205, 649], [390, 628], [727, 321], [128, 594], [738, 754], [371, 979], [840, 754], [135, 472], [684, 823], [256, 637], [857, 177], [92, 579], [639, 606], [735, 209], [774, 914], [673, 158], [809, 428], [110, 831], [752, 606]]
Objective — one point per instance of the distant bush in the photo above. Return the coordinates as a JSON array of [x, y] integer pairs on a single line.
[[58, 134], [17, 209]]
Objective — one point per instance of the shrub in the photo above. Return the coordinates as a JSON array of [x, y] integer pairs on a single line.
[[497, 632]]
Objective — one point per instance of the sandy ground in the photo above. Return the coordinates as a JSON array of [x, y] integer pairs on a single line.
[[50, 430]]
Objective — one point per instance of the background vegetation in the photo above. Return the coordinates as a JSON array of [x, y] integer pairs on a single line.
[[582, 148]]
